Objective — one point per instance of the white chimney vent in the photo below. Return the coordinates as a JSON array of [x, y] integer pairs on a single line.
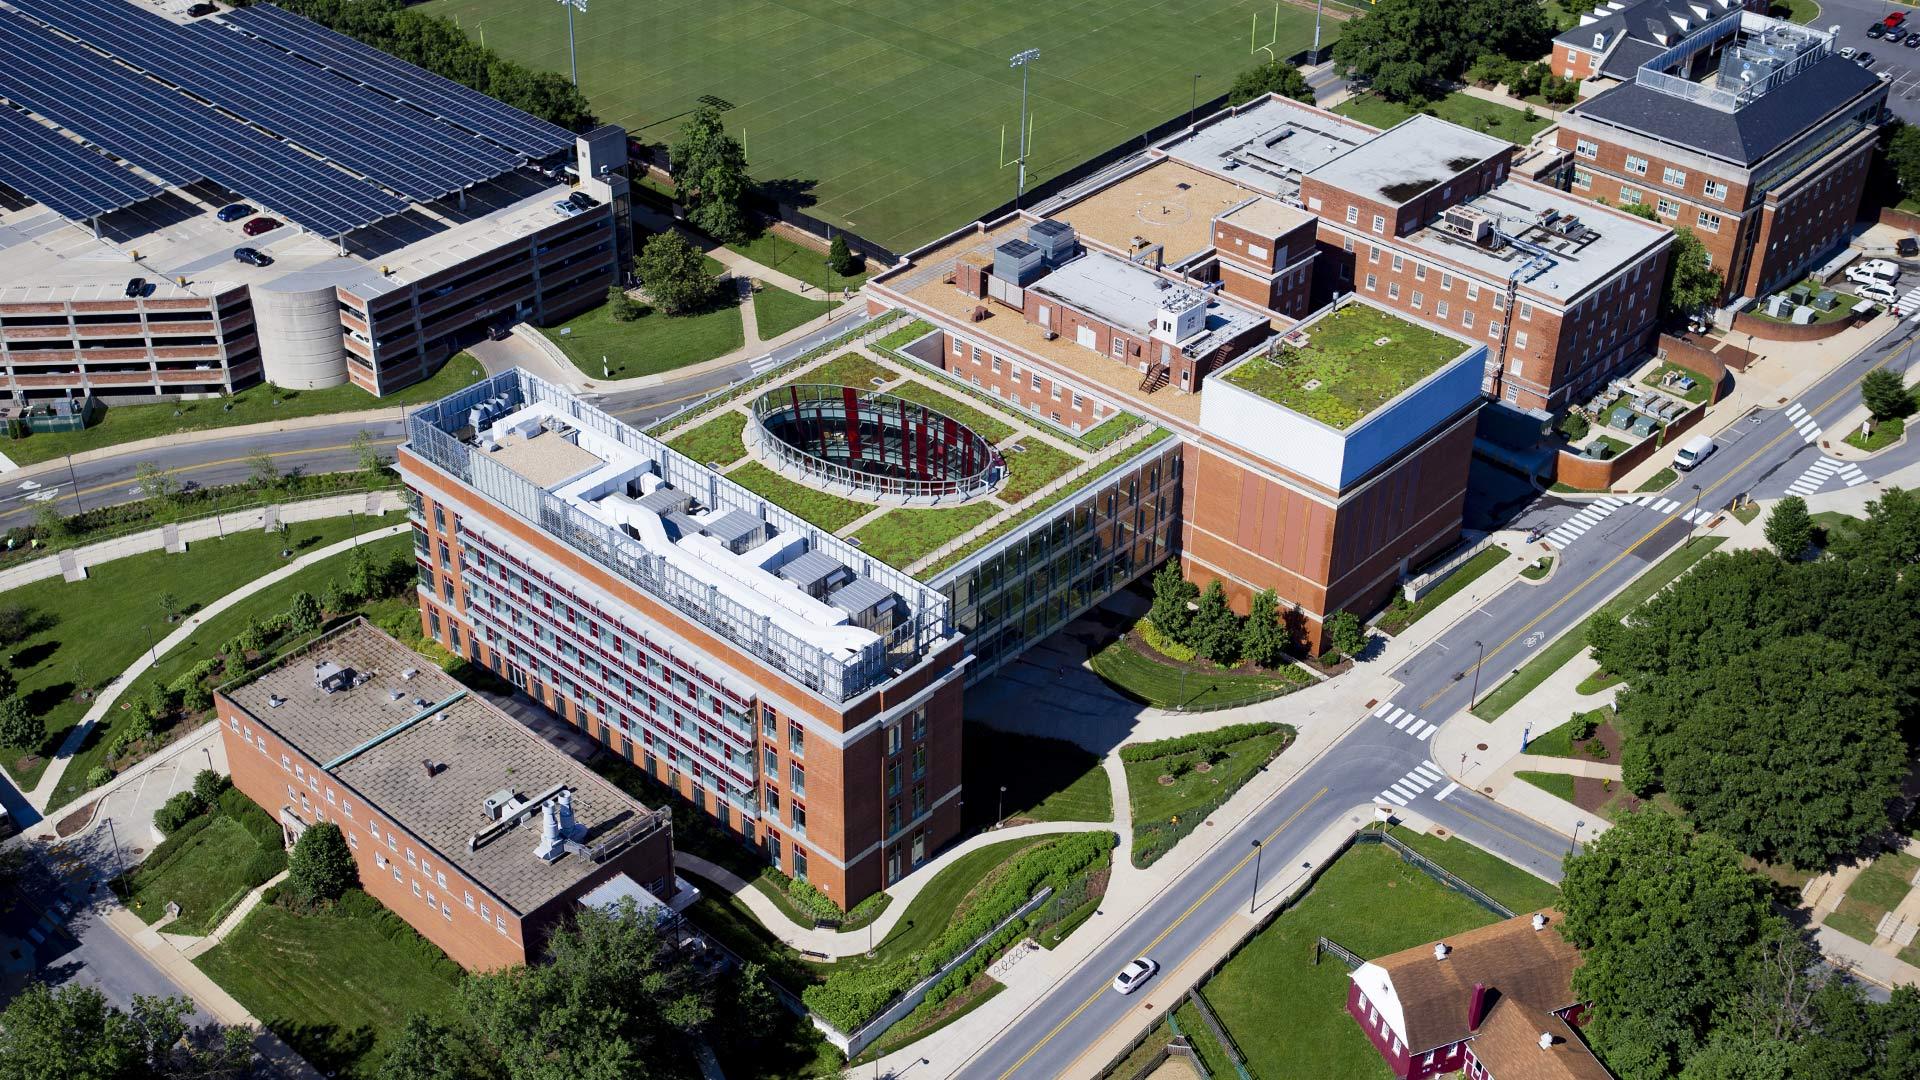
[[1440, 950], [1539, 921], [1546, 1040]]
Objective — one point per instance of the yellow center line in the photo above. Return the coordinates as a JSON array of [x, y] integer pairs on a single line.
[[1171, 927], [1508, 834], [1664, 522]]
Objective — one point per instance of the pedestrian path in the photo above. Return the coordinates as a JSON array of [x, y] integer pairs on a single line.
[[1587, 518], [1823, 470], [1402, 720], [1663, 505], [1415, 784], [1803, 422]]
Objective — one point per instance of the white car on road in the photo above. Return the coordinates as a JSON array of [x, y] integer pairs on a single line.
[[1135, 975]]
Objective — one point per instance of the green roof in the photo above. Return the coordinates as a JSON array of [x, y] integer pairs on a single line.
[[1356, 359]]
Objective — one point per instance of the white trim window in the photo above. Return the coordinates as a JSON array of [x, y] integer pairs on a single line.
[[1709, 221], [1716, 189], [1674, 177], [1667, 208], [1636, 165], [1586, 148]]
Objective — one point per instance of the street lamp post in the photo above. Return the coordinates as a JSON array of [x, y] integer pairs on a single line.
[[1193, 100], [1255, 898], [119, 864], [78, 506], [573, 59], [1022, 60], [1576, 834], [1693, 519], [1473, 696], [1000, 808], [1317, 5]]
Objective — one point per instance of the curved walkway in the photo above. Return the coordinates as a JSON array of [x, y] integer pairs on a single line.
[[837, 943], [102, 704]]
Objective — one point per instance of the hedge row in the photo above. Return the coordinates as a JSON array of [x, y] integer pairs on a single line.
[[852, 996], [1200, 740]]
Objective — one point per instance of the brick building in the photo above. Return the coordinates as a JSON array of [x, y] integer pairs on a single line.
[[1749, 131], [1496, 1003], [1615, 38], [461, 820]]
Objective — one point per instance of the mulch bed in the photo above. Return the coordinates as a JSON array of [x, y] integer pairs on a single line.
[[1591, 794], [1608, 737], [75, 821]]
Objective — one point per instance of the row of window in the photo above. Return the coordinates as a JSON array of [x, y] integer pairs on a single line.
[[1639, 166]]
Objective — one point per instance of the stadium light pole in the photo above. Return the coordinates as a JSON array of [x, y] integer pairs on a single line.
[[1317, 6], [573, 59], [1021, 60]]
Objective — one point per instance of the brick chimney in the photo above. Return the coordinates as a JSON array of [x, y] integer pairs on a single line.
[[1477, 1007]]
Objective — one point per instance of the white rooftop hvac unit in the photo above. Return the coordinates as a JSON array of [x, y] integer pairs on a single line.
[[1469, 224]]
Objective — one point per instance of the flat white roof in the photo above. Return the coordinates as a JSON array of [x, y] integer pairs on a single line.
[[1269, 145], [1129, 296], [1584, 244]]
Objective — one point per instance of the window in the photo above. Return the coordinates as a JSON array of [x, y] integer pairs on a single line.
[[1399, 264], [1716, 190], [1667, 208], [1709, 222], [440, 876], [1636, 165], [1379, 224], [1393, 290], [416, 888], [799, 821], [1446, 282], [500, 923], [1371, 283], [919, 762], [893, 739], [1582, 178], [920, 723], [1418, 300], [286, 763], [1587, 149], [397, 875], [1629, 196], [1526, 311], [1419, 271], [796, 740], [1373, 255], [1466, 318], [1440, 309], [1473, 291], [798, 781], [1353, 215], [1674, 177], [353, 841], [1494, 328], [1520, 340]]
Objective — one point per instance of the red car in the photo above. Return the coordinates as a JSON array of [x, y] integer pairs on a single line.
[[260, 225], [1894, 19]]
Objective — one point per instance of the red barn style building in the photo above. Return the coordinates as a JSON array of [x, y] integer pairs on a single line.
[[1496, 1003], [461, 820]]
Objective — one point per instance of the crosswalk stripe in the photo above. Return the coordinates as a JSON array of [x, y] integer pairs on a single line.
[[1665, 506], [1405, 792], [1401, 724], [1382, 710], [1394, 715], [1611, 503], [1812, 435], [1856, 481], [1428, 769], [1562, 537], [1388, 796], [1416, 728], [1418, 782], [1428, 734], [1794, 410], [1446, 791]]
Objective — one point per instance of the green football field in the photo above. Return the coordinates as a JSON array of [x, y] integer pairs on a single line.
[[889, 113]]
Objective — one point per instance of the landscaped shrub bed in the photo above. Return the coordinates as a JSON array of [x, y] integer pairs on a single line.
[[1173, 784], [84, 527], [852, 996]]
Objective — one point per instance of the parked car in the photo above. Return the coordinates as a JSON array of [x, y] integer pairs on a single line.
[[1865, 60], [1848, 52], [252, 256], [1877, 291], [1907, 248], [583, 200], [1698, 449], [136, 287], [1912, 42], [1895, 19], [198, 10], [1135, 975], [565, 208], [234, 211], [1876, 30], [1896, 35], [260, 225], [1879, 268]]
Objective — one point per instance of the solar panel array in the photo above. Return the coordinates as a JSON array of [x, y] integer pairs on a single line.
[[399, 148], [462, 106], [175, 138], [62, 175]]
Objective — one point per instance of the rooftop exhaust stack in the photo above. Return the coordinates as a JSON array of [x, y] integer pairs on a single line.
[[1546, 1040], [559, 833]]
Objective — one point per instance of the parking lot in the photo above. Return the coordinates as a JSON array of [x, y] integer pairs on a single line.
[[1900, 62]]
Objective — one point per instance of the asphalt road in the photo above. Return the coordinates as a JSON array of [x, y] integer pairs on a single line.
[[1383, 758], [1901, 63]]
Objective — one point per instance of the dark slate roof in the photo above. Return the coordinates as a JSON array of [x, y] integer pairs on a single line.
[[1622, 62], [1745, 136]]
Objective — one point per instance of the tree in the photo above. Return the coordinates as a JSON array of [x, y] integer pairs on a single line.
[[622, 307], [1410, 49], [1347, 633], [208, 786], [840, 258], [52, 524], [1692, 282], [9, 685], [1666, 920], [1272, 77], [1885, 394], [303, 613], [1890, 533], [1264, 639], [73, 1033], [360, 574], [17, 623], [321, 869], [263, 472], [710, 169], [156, 483], [425, 1049], [367, 452], [19, 728], [1790, 527], [1903, 156], [1171, 595], [674, 274], [180, 808], [196, 698], [1216, 629], [611, 998]]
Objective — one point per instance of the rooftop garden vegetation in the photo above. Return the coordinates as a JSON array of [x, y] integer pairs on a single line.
[[1356, 359]]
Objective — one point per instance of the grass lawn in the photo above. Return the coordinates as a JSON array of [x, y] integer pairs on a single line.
[[1839, 312], [1033, 465], [1574, 641], [718, 440], [1698, 395], [335, 985], [1556, 784], [1109, 431], [849, 369], [1401, 615], [204, 877], [1492, 118], [1597, 682], [797, 260], [886, 121], [990, 428], [1287, 1013], [650, 344], [1834, 526], [1660, 481], [1213, 1056], [1491, 874], [1354, 375], [1885, 434], [259, 404], [1800, 11], [216, 632], [776, 311], [830, 512], [1145, 676], [905, 535], [1538, 568], [1884, 883], [1046, 779], [1559, 741], [1196, 786], [94, 628]]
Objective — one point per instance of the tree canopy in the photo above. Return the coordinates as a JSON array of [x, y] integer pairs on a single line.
[[321, 868], [1411, 49], [73, 1033], [710, 171], [1885, 394], [1790, 527], [674, 274], [1272, 77]]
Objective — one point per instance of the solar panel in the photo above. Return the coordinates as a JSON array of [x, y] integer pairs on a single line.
[[174, 138], [396, 147], [60, 174], [461, 106]]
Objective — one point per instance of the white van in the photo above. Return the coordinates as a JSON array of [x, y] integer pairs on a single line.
[[1698, 449]]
